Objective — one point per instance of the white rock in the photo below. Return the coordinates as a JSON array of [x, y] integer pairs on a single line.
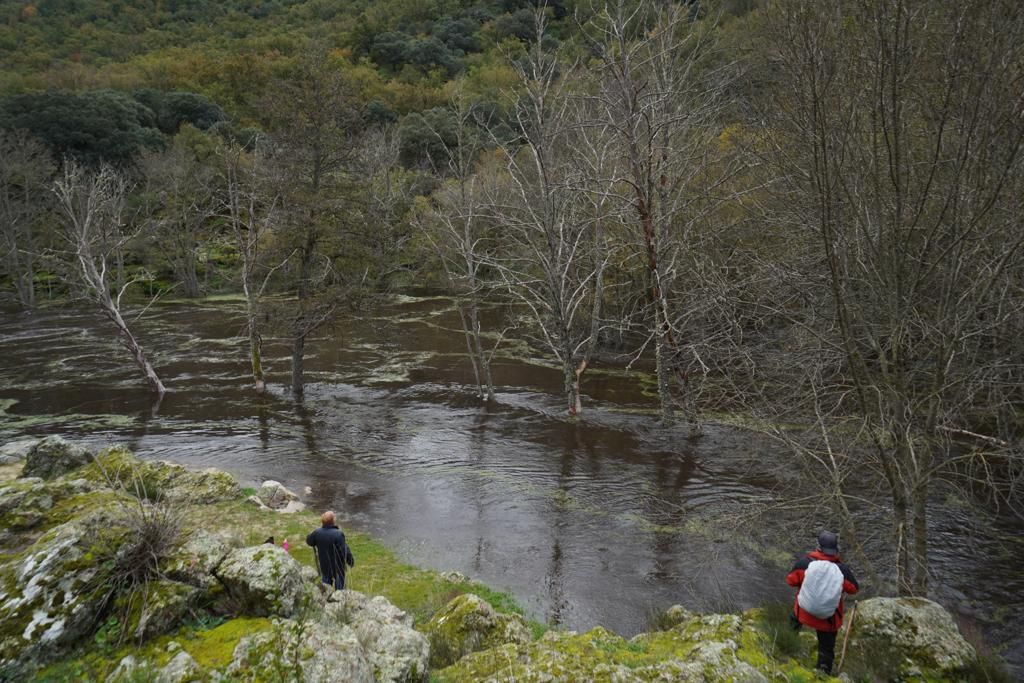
[[15, 451], [274, 495]]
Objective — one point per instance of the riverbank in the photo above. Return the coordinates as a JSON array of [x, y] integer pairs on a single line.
[[217, 603]]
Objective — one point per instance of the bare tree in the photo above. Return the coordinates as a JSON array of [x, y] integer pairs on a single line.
[[179, 193], [898, 139], [546, 261], [247, 204], [458, 228], [390, 191], [26, 169], [92, 204], [658, 103]]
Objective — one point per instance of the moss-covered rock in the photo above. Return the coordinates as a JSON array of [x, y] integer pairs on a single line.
[[158, 480], [156, 607], [181, 668], [52, 593], [899, 639], [468, 624], [31, 504], [262, 580], [197, 559], [214, 648], [54, 456], [698, 648]]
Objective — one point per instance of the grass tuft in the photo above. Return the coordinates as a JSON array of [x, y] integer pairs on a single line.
[[777, 629]]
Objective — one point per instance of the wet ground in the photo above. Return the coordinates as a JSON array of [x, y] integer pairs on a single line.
[[603, 520]]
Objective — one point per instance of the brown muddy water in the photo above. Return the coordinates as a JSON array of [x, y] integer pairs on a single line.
[[604, 520]]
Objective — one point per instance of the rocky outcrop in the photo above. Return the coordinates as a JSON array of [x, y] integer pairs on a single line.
[[892, 640], [468, 624], [699, 648], [53, 592], [395, 650], [352, 637], [262, 580], [53, 456], [165, 481], [899, 639], [180, 669]]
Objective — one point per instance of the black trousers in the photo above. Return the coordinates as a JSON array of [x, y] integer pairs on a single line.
[[826, 650], [338, 581]]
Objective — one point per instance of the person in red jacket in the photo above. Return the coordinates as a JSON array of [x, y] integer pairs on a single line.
[[828, 550]]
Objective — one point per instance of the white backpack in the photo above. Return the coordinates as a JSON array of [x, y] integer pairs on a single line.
[[821, 590]]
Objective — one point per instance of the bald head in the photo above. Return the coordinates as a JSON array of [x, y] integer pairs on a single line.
[[327, 518]]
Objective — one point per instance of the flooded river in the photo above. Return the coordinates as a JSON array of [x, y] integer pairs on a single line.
[[604, 520]]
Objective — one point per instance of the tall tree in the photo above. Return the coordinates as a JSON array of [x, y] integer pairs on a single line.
[[897, 131], [247, 203], [546, 261], [314, 124], [459, 229], [178, 193], [658, 102]]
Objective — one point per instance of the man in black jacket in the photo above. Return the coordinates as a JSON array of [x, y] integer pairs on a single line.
[[331, 551]]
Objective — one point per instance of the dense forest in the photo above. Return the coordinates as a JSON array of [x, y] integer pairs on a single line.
[[803, 212]]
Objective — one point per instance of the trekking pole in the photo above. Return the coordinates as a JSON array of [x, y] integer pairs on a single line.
[[846, 638]]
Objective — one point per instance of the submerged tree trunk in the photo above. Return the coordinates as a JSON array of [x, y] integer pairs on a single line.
[[298, 353], [23, 274], [470, 318], [256, 355], [920, 547], [128, 341]]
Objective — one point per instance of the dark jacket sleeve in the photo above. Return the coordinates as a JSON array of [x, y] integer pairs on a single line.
[[311, 539], [795, 577], [349, 560]]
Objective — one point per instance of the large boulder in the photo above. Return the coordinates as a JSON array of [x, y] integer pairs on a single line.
[[197, 559], [274, 495], [468, 624], [16, 451], [898, 639], [156, 607], [54, 456], [262, 580], [52, 593], [396, 651], [295, 651]]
